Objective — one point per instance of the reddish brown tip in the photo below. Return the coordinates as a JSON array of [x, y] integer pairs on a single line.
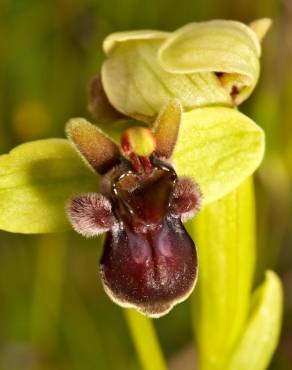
[[98, 103]]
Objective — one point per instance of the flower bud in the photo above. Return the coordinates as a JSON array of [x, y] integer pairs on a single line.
[[138, 86], [201, 64]]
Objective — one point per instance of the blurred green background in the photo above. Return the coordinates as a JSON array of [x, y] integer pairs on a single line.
[[54, 314]]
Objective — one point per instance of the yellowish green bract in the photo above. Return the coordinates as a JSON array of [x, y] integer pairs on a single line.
[[36, 181], [219, 147]]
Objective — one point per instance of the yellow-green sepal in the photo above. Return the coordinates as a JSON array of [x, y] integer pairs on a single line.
[[218, 147], [36, 181]]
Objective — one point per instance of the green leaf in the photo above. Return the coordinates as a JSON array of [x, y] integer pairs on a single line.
[[219, 147], [145, 340], [138, 86], [36, 181], [224, 233], [215, 46], [260, 338]]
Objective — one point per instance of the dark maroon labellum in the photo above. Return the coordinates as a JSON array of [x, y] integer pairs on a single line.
[[149, 261]]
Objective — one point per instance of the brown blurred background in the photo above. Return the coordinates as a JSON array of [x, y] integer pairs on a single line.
[[54, 314]]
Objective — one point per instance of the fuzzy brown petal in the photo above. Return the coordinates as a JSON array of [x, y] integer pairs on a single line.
[[96, 148], [166, 128], [90, 214], [187, 198]]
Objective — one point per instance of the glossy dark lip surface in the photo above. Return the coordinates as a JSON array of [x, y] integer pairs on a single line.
[[152, 267], [151, 271], [143, 198], [149, 261]]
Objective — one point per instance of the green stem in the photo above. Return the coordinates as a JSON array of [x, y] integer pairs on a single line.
[[48, 288], [145, 341]]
